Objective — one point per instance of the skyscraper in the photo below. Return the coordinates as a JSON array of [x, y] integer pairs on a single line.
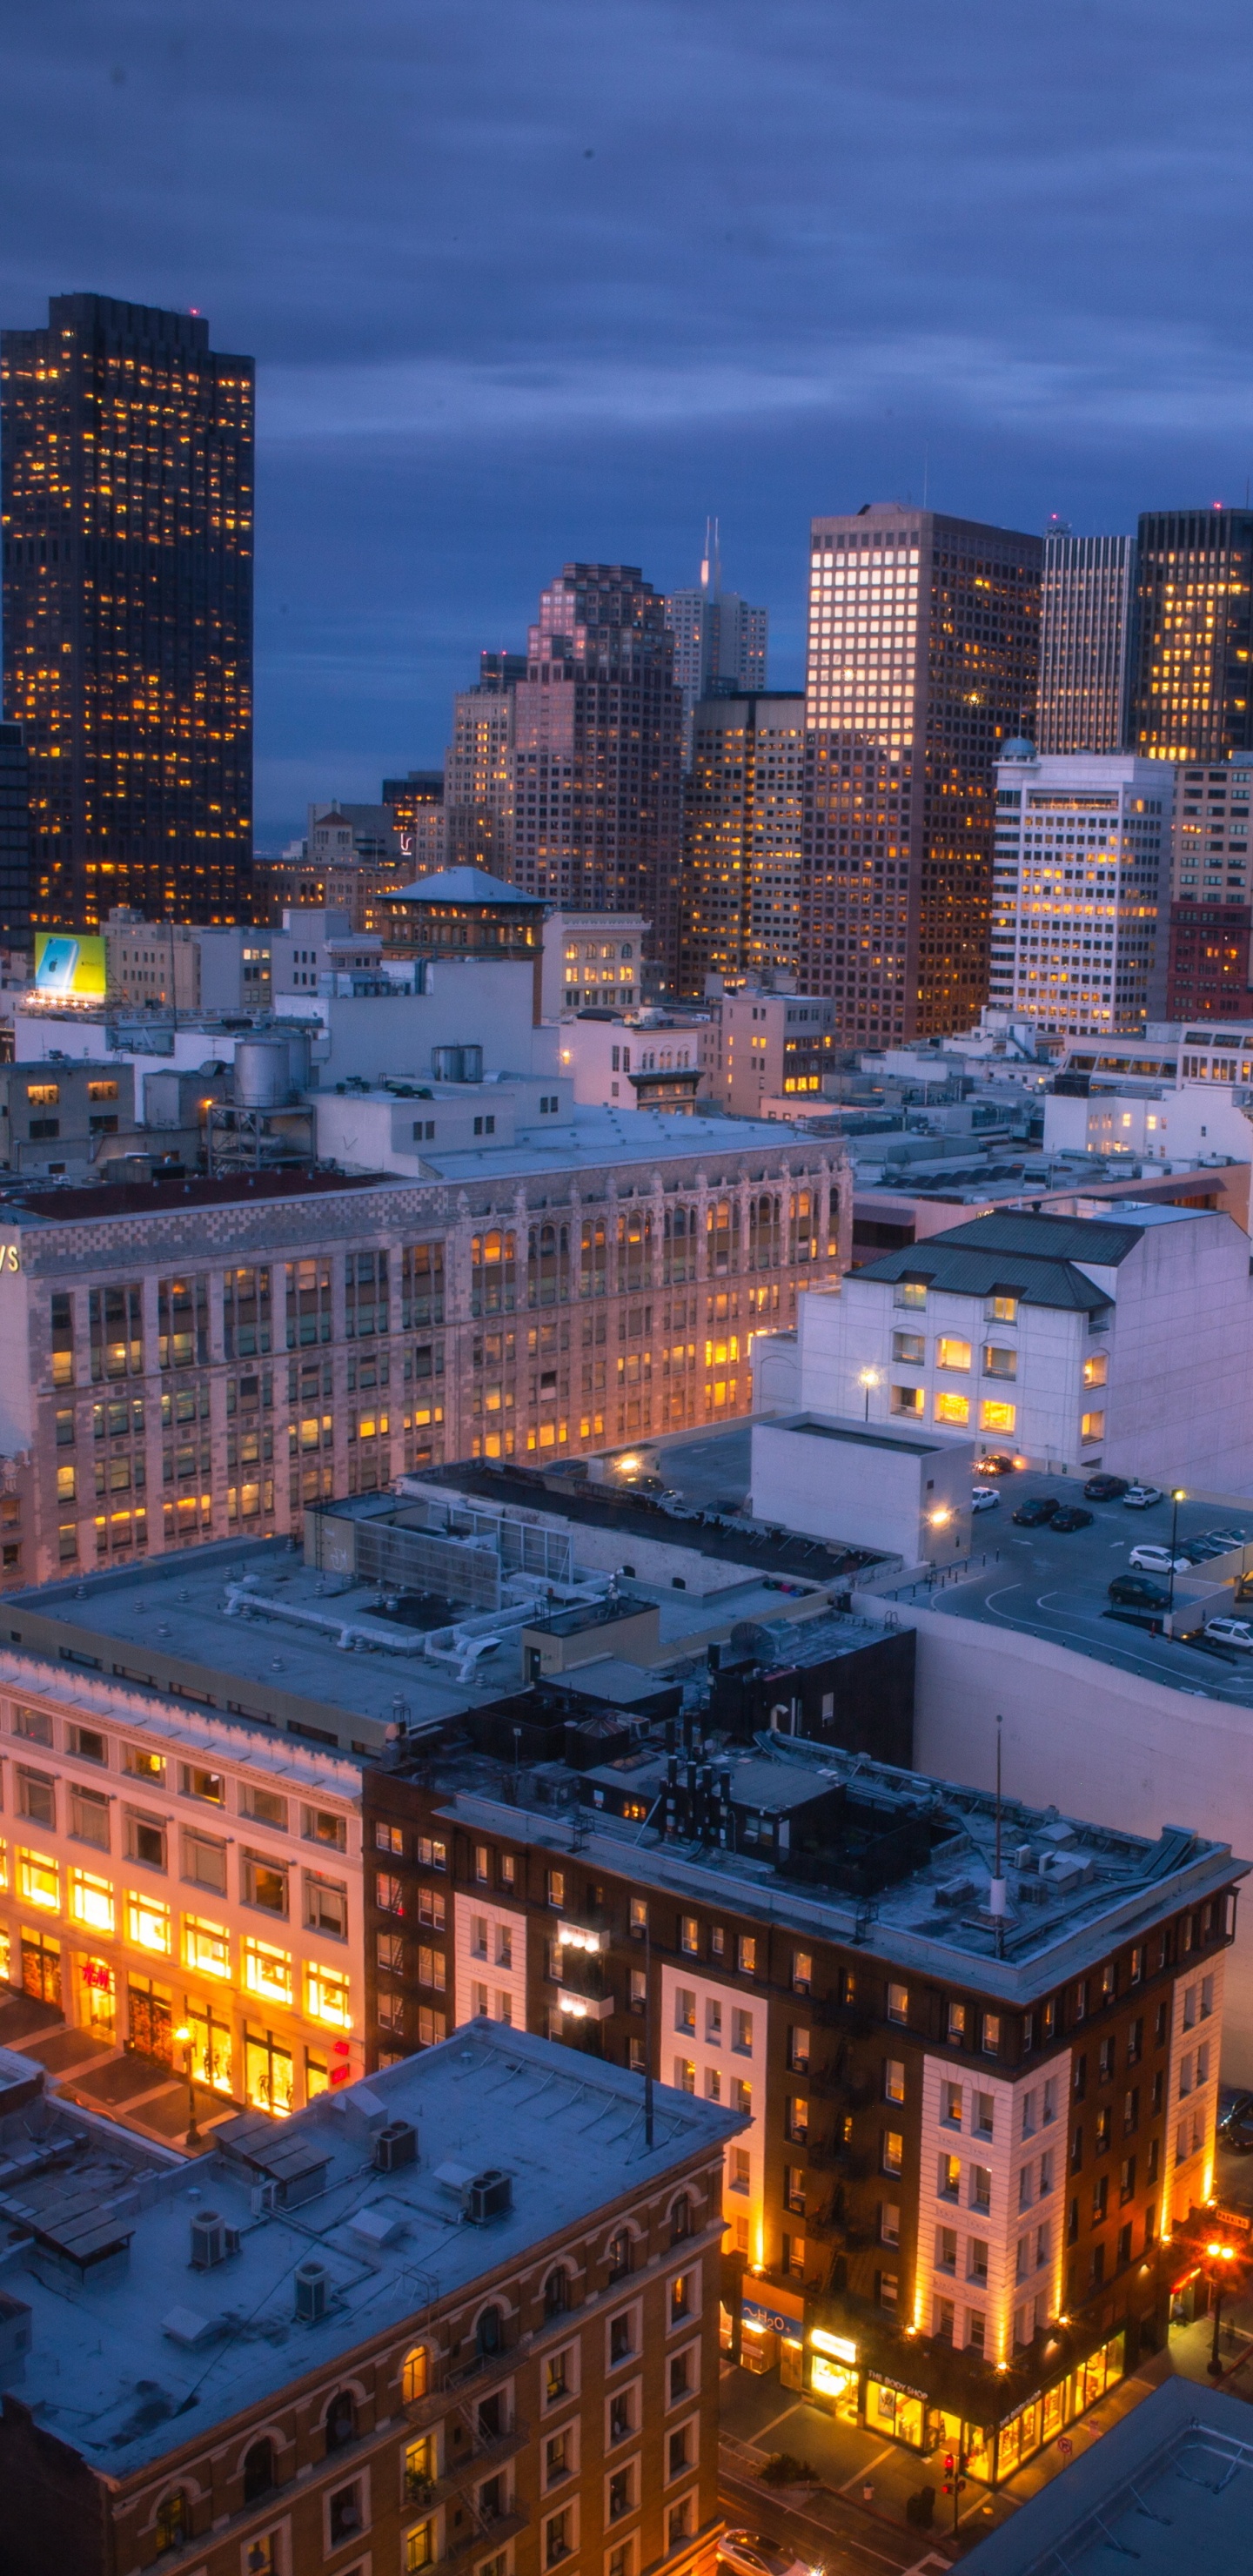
[[1080, 884], [478, 768], [14, 839], [923, 661], [742, 839], [597, 763], [1087, 616], [719, 641], [126, 447], [1191, 698]]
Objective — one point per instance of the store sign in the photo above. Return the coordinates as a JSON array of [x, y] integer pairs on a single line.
[[10, 1257], [767, 2320], [902, 2386], [838, 2346]]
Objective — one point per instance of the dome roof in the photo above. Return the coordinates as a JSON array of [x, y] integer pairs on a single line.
[[1018, 749], [465, 885]]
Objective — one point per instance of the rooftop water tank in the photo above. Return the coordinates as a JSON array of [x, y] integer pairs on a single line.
[[262, 1073]]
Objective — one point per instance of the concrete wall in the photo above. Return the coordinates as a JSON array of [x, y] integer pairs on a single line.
[[776, 1366], [1179, 1403], [484, 1002], [865, 1488], [1110, 1746]]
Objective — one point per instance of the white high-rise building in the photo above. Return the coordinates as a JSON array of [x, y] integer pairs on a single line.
[[1079, 891]]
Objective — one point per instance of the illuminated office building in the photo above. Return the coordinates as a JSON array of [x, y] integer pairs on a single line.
[[478, 768], [127, 458], [1079, 891], [14, 839], [1190, 691], [742, 839], [1087, 613], [922, 663], [597, 770]]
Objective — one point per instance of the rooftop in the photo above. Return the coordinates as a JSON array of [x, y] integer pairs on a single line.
[[707, 1528], [1171, 2487], [467, 885], [128, 2337], [900, 1863]]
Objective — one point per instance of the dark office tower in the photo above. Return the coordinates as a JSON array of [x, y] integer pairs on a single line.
[[14, 839], [127, 462], [478, 768], [923, 660], [742, 839], [1087, 619], [719, 641], [417, 807], [1194, 615], [598, 768]]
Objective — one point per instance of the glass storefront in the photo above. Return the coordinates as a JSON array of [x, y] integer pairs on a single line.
[[41, 1967], [901, 2413], [990, 2453], [151, 2020], [99, 1997]]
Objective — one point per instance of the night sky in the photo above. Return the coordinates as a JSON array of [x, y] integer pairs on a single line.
[[533, 279]]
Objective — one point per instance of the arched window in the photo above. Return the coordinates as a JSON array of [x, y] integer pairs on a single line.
[[620, 2254], [341, 2420], [680, 2218], [173, 2521], [258, 2469], [490, 2331], [556, 2293], [415, 2374]]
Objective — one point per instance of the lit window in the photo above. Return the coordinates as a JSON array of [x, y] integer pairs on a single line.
[[327, 1997], [267, 1971], [1092, 1426], [206, 1946], [91, 1901], [952, 1408], [148, 1923], [952, 1353], [997, 1416], [39, 1881]]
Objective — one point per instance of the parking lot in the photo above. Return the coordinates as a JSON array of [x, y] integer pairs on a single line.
[[1056, 1585]]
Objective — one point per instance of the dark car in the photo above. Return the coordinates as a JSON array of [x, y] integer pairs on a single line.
[[997, 1463], [1034, 1513], [1069, 1517], [1105, 1489], [1137, 1592], [1235, 2128]]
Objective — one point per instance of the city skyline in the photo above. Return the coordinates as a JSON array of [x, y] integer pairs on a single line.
[[482, 351]]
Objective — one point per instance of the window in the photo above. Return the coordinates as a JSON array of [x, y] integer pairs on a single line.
[[327, 1997], [996, 1416], [621, 2337], [998, 1362], [951, 1352], [946, 2249], [679, 2523], [319, 1825], [1003, 1309], [326, 1905], [991, 2036], [952, 1408], [145, 1838], [34, 1724], [148, 1922], [390, 1838], [558, 2541], [893, 2151], [802, 1971], [742, 2032], [898, 2003], [980, 2187], [796, 2118], [951, 2101], [209, 1785], [265, 1806], [91, 1902], [621, 2492], [794, 2189], [746, 1958], [798, 2049], [206, 1946], [90, 1747], [36, 1797], [343, 2510], [556, 1887], [143, 1765], [419, 2547], [173, 2522], [415, 2374], [689, 1934], [263, 1882], [89, 1817], [267, 1971], [559, 2376], [957, 2022], [204, 1861], [682, 2299], [258, 2470], [389, 1893], [1092, 1426], [638, 1924], [948, 2183], [39, 1881], [894, 2081]]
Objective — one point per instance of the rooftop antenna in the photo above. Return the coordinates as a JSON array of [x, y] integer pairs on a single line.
[[998, 1892], [711, 561]]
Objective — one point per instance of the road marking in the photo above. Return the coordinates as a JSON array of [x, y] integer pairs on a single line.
[[888, 2452], [755, 2439], [843, 2539]]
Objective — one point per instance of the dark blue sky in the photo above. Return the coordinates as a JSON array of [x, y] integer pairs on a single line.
[[531, 279]]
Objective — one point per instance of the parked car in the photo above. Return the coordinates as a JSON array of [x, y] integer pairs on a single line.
[[1200, 1551], [1135, 1592], [1140, 1498], [984, 1498], [1157, 1560], [750, 2555], [997, 1463], [1235, 2126], [1105, 1489], [1070, 1516], [1231, 1632], [1222, 1539], [1038, 1509]]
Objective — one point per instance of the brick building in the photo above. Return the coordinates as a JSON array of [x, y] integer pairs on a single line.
[[403, 2330], [980, 2093]]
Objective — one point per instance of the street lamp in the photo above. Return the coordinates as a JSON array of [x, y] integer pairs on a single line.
[[1220, 2259], [868, 1378], [184, 2039], [1178, 1496]]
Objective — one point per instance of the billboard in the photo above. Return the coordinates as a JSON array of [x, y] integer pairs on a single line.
[[69, 967]]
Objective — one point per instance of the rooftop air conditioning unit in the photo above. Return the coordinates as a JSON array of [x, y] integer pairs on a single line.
[[211, 2240], [490, 2195], [311, 2292], [396, 2144]]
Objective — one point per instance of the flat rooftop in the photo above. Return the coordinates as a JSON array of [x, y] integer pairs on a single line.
[[39, 1202], [610, 1138], [673, 1520], [117, 2353], [857, 1434], [897, 1861], [1170, 2487]]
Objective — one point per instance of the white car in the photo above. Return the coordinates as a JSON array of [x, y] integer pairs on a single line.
[[750, 2555], [1231, 1632], [1139, 1497], [984, 1498], [1158, 1560]]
